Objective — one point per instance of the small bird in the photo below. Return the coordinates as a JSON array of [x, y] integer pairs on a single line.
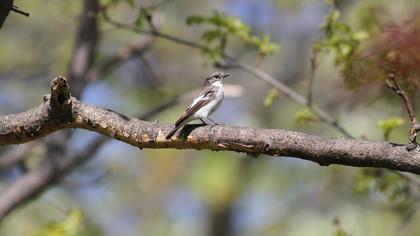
[[205, 104]]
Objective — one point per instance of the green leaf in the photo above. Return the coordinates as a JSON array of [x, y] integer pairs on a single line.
[[270, 97], [141, 17], [330, 2], [335, 15], [69, 226], [220, 28], [360, 35], [212, 35], [212, 53], [130, 3], [191, 20], [266, 47], [389, 124], [304, 116]]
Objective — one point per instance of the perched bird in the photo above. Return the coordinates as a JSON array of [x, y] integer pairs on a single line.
[[205, 104]]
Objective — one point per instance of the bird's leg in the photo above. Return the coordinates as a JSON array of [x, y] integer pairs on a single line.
[[211, 127], [214, 123], [203, 122]]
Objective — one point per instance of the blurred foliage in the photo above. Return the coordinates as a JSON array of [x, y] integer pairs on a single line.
[[71, 225], [338, 229], [390, 124], [222, 28], [171, 192], [340, 40], [392, 185], [305, 116], [215, 178], [270, 97], [394, 51]]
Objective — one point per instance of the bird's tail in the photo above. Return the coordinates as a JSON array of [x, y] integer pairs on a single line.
[[169, 135]]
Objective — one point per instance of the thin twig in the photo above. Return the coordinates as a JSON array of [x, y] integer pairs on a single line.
[[153, 33], [394, 85], [135, 48], [15, 155], [16, 9], [313, 62], [323, 116]]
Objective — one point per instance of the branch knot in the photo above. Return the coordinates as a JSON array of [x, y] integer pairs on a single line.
[[60, 100]]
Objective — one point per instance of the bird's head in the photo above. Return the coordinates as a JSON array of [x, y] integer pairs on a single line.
[[216, 77]]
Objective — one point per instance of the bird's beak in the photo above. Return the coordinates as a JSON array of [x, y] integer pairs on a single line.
[[226, 75]]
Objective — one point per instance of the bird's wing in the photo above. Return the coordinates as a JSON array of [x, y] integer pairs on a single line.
[[203, 99]]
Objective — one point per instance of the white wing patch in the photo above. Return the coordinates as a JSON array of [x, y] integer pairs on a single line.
[[195, 101]]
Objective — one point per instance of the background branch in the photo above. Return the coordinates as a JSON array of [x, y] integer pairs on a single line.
[[394, 85]]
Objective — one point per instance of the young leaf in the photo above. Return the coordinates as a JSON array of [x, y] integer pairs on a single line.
[[221, 27], [304, 116], [69, 226], [270, 97], [390, 124]]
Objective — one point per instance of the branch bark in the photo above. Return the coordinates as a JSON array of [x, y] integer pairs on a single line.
[[43, 120]]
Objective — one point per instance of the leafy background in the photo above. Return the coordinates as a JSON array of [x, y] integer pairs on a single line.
[[124, 191]]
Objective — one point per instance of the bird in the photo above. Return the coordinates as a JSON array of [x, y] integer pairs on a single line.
[[205, 103]]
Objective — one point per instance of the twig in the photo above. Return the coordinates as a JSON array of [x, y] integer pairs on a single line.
[[15, 155], [323, 116], [135, 48], [394, 85], [153, 33], [311, 82], [16, 9]]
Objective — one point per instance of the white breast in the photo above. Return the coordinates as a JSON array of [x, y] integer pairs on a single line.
[[208, 109]]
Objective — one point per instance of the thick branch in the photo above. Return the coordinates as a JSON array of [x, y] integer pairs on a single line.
[[38, 122]]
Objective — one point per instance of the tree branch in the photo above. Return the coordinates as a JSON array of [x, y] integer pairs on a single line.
[[86, 42], [40, 121], [38, 179], [393, 84], [15, 155]]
